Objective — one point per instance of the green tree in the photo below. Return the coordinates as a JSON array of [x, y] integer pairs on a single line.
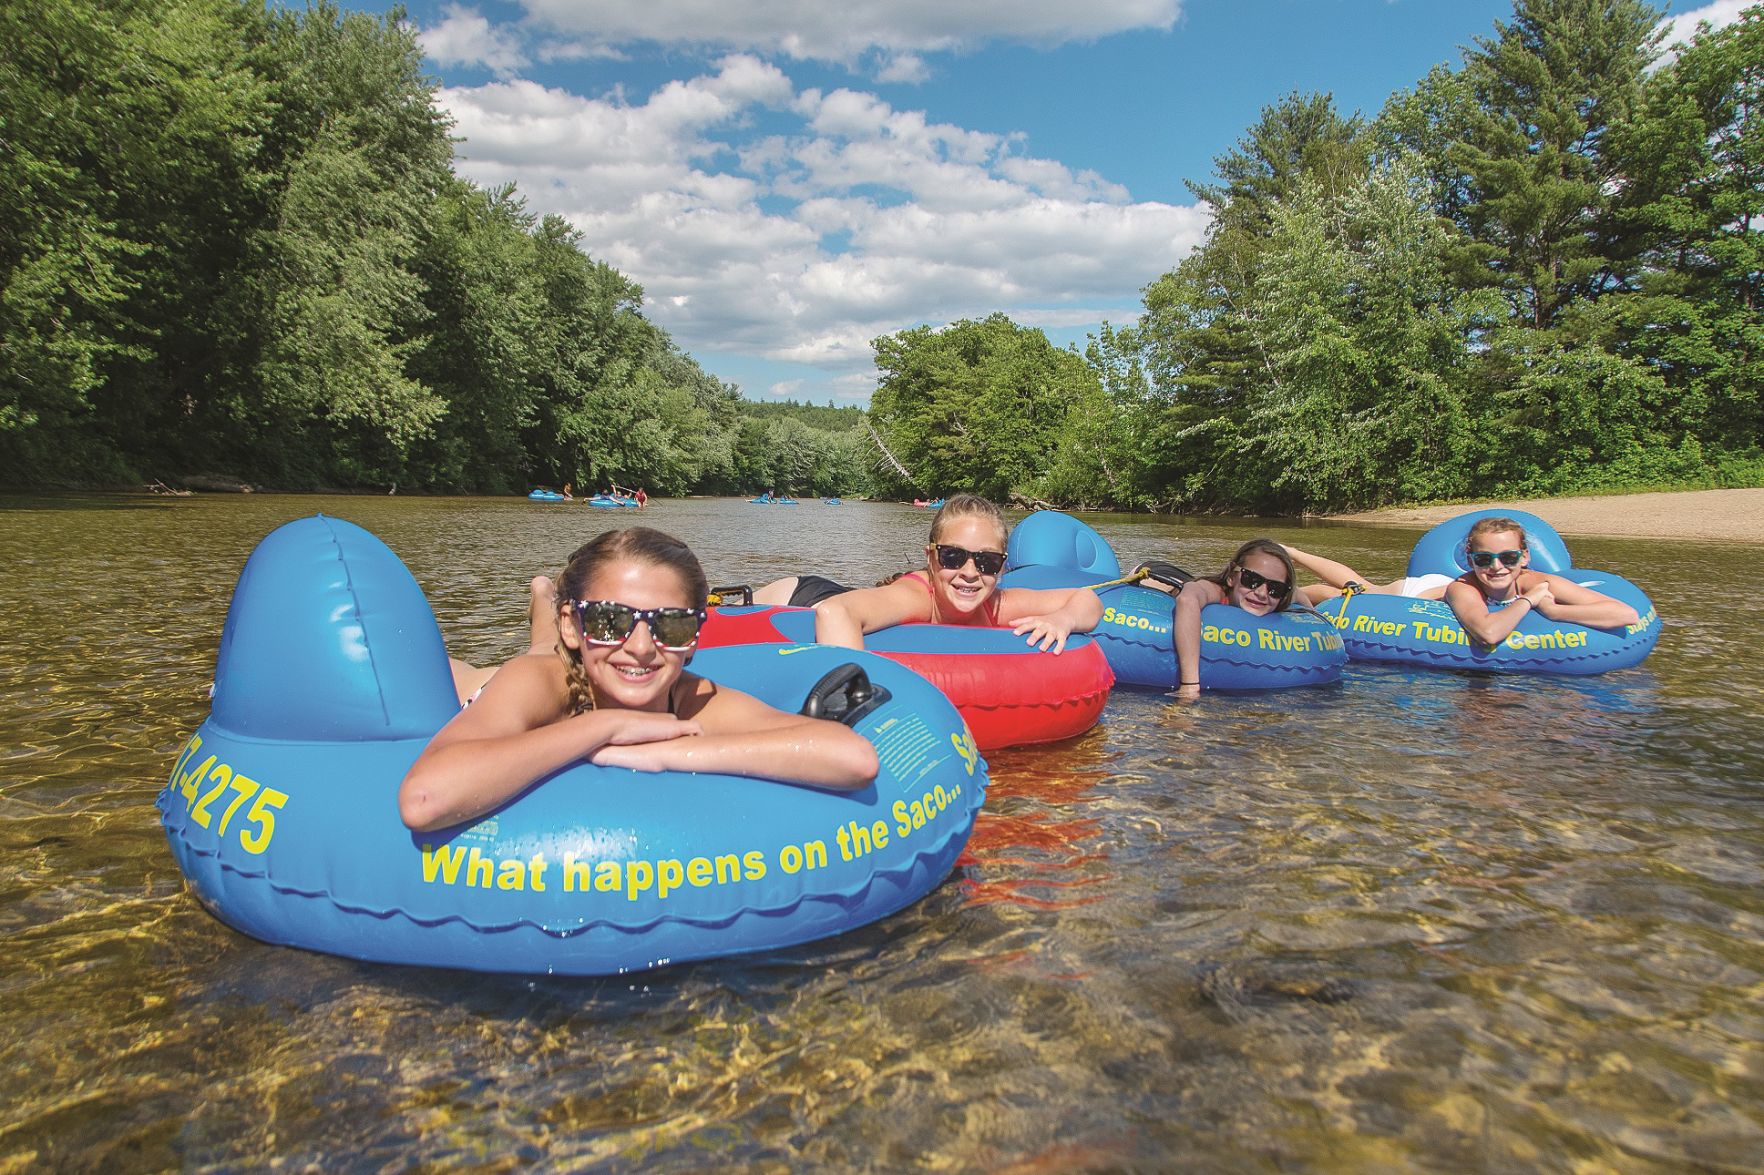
[[1538, 181], [1695, 158], [1203, 338], [975, 406], [1369, 350]]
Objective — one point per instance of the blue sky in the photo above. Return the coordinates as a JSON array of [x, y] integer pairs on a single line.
[[788, 179]]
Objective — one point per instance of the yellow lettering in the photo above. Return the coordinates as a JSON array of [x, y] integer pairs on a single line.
[[511, 875], [187, 785], [536, 867], [755, 862], [902, 824], [576, 874], [608, 878], [639, 876], [698, 870], [222, 775], [443, 861], [669, 876], [245, 787], [263, 815]]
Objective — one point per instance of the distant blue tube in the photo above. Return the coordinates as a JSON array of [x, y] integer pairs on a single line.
[[282, 807]]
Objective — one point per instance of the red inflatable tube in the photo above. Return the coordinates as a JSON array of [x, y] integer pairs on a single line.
[[1010, 693]]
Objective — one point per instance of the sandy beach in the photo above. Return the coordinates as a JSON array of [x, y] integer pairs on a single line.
[[1733, 516]]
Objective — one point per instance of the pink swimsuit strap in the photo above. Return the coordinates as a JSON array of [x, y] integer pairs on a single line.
[[986, 617]]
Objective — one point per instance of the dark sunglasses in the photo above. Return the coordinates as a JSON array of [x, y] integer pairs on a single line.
[[955, 558], [605, 622], [1251, 580], [1486, 559]]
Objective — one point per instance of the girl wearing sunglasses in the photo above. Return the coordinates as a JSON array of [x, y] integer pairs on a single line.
[[1499, 574], [958, 585], [1258, 579], [614, 691]]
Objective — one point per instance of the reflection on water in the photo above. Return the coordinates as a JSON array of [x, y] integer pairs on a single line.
[[1416, 920]]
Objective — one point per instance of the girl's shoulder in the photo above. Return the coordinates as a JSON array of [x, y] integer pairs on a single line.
[[1205, 588], [532, 678]]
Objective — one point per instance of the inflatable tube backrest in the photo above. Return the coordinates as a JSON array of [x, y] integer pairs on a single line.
[[329, 638], [1052, 539], [1441, 550]]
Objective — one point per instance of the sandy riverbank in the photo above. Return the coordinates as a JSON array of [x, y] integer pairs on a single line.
[[1735, 516]]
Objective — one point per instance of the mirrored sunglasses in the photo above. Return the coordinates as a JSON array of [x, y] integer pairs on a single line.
[[1486, 559], [606, 623]]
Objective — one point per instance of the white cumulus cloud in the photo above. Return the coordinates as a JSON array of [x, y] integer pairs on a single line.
[[1683, 26], [464, 37], [852, 219]]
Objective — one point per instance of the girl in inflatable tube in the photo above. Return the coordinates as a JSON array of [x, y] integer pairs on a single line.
[[959, 585], [615, 693], [1499, 555], [1258, 579]]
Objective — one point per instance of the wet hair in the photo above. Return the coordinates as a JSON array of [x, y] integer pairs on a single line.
[[638, 544], [1489, 526], [967, 506], [1258, 547]]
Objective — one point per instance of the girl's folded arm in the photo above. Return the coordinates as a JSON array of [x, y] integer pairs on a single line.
[[744, 736], [1578, 604], [845, 618], [1470, 606], [518, 731]]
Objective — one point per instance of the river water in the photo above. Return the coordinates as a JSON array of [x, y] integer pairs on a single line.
[[1415, 921]]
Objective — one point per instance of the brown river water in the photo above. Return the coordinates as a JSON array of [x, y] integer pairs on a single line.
[[1416, 921]]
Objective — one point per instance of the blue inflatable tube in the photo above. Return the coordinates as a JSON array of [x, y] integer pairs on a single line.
[[282, 807], [1049, 538], [1239, 650], [1406, 631]]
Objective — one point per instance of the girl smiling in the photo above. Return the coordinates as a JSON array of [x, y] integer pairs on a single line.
[[958, 585], [615, 692]]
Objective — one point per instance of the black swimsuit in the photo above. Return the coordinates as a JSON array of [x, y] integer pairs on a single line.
[[812, 589]]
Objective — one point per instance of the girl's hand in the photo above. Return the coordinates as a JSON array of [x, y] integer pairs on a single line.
[[1044, 631], [1543, 600]]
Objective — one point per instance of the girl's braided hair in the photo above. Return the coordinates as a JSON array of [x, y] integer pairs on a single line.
[[638, 544]]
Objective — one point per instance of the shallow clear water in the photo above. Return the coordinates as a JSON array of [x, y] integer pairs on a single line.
[[1415, 921]]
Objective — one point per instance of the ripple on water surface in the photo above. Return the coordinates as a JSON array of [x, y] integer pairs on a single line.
[[1412, 920]]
